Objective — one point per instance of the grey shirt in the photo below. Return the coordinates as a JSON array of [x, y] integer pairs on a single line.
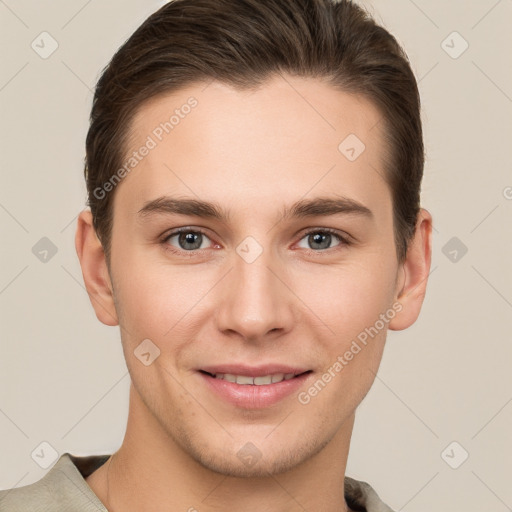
[[64, 489]]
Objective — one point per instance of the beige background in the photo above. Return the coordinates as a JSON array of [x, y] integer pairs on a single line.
[[63, 379]]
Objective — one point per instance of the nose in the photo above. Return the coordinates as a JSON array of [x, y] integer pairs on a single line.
[[255, 300]]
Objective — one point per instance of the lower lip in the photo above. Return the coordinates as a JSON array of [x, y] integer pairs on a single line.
[[250, 396]]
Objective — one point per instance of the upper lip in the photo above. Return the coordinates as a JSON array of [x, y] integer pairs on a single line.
[[253, 371]]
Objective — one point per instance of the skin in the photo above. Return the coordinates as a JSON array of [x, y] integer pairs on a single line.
[[253, 153]]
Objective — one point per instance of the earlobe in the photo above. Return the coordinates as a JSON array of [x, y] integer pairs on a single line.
[[416, 267], [94, 270]]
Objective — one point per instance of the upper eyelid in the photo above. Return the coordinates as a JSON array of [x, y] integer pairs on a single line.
[[343, 238], [185, 229]]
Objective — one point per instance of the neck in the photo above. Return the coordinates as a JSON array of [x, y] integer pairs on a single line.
[[151, 472]]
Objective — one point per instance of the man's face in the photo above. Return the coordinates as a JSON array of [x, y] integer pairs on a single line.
[[255, 293]]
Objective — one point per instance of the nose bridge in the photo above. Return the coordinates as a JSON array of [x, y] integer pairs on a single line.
[[254, 300]]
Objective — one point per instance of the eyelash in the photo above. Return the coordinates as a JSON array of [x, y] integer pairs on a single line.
[[344, 241]]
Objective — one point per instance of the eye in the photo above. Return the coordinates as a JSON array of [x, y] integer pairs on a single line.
[[321, 239], [186, 239]]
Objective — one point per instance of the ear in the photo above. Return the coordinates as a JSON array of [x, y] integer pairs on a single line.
[[414, 272], [94, 270]]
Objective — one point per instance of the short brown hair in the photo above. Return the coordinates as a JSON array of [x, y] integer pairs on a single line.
[[242, 43]]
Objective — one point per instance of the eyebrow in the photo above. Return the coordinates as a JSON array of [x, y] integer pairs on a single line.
[[304, 208]]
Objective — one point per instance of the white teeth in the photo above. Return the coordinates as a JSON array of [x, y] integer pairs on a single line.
[[263, 380], [242, 379], [257, 381]]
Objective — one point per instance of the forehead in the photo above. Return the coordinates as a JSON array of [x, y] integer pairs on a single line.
[[288, 138]]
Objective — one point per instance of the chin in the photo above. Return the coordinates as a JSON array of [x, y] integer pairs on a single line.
[[247, 460]]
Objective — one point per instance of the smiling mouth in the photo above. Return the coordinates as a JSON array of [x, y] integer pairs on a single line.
[[263, 380]]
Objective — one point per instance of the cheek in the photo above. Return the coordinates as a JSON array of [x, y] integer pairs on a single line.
[[350, 297], [357, 306], [159, 302], [352, 348]]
